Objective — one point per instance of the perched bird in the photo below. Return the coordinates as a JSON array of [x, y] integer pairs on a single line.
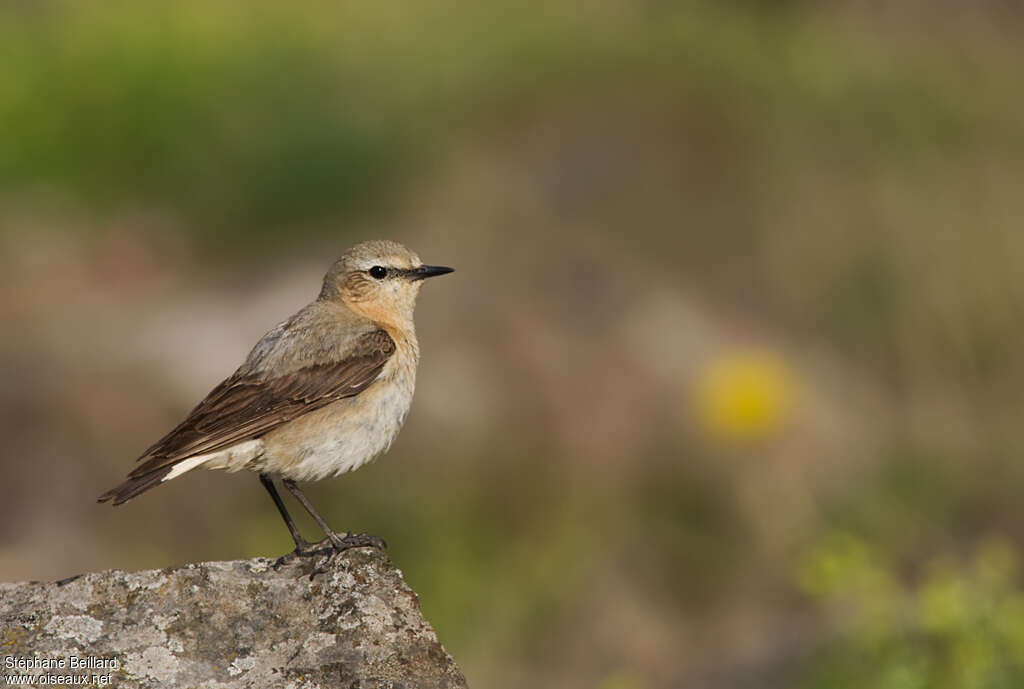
[[323, 393]]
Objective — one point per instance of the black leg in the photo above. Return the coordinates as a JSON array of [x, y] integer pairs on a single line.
[[340, 543], [302, 546]]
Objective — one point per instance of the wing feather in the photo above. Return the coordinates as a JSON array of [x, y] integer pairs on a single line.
[[246, 406]]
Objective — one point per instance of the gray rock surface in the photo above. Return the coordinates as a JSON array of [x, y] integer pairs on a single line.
[[228, 625]]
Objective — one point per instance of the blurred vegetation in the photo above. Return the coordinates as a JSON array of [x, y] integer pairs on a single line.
[[957, 626], [249, 116], [923, 593], [729, 393]]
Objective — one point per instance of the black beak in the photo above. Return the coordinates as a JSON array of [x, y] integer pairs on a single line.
[[424, 272]]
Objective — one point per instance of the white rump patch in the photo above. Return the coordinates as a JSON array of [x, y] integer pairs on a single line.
[[232, 459]]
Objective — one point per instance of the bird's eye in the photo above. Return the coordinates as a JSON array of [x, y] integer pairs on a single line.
[[378, 272]]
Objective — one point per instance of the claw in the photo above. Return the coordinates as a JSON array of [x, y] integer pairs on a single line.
[[303, 549], [340, 544], [360, 540]]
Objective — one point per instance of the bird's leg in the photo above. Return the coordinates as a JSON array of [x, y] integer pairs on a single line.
[[302, 546], [350, 540]]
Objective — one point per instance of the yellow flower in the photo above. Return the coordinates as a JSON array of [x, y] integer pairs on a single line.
[[744, 395]]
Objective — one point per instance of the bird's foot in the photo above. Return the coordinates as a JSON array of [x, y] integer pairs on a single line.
[[339, 544], [304, 549], [355, 540]]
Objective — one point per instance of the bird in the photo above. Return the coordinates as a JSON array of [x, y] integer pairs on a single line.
[[321, 394]]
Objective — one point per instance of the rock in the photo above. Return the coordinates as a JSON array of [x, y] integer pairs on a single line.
[[343, 621]]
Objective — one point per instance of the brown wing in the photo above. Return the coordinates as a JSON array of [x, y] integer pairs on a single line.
[[244, 407]]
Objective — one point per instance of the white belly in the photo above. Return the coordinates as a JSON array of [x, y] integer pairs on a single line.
[[338, 438]]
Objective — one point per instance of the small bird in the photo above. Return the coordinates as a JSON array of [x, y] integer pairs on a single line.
[[321, 394]]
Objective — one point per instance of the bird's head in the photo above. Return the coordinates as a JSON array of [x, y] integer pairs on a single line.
[[379, 279]]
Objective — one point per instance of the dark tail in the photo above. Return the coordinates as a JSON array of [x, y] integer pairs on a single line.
[[134, 486]]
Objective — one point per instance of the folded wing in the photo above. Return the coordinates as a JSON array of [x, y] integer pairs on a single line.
[[246, 406]]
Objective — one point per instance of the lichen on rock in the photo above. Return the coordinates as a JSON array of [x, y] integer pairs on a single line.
[[226, 625]]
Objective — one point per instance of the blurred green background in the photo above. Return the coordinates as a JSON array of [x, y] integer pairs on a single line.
[[724, 393]]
